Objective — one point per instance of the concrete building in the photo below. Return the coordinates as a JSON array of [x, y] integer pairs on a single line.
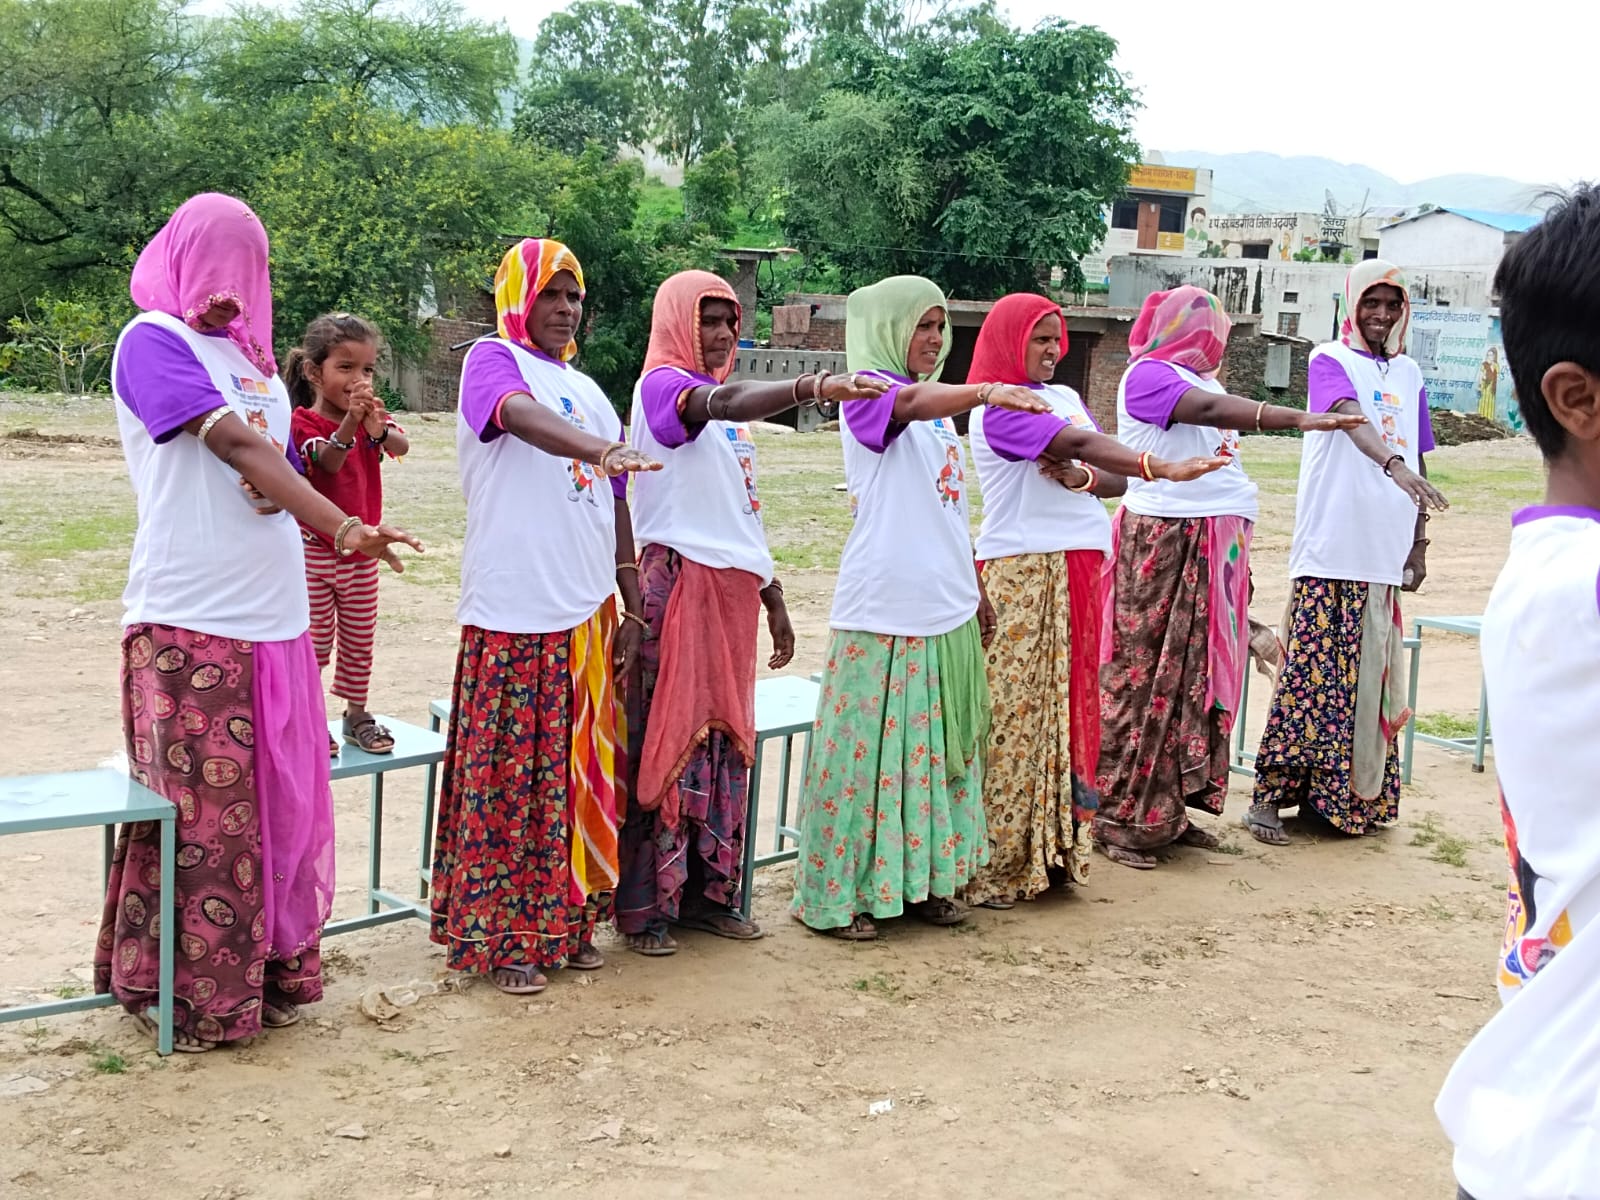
[[1280, 236], [1153, 216], [1453, 237]]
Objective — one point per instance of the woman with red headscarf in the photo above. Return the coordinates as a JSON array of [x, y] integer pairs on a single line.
[[527, 835], [1178, 583], [704, 573], [1043, 543], [221, 696]]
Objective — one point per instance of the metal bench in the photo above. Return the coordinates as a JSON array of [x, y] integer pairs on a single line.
[[786, 707], [1468, 627], [413, 747], [83, 800]]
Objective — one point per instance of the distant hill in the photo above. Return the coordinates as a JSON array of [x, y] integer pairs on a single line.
[[1260, 182]]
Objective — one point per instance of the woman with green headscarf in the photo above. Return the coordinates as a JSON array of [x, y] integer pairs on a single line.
[[891, 813]]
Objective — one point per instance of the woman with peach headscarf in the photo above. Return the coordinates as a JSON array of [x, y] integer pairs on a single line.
[[704, 573], [527, 839], [1178, 582], [1042, 547]]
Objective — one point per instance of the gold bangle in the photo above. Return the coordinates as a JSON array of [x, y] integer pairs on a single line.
[[1260, 408], [1090, 478], [1144, 467], [607, 453], [215, 415], [630, 616], [628, 567], [344, 529]]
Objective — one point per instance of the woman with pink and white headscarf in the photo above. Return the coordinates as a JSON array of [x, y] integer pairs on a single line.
[[221, 698], [1177, 582]]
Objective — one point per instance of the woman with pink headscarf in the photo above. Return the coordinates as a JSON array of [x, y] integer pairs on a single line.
[[1178, 582], [221, 697]]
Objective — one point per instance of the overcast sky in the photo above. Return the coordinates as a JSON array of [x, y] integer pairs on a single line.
[[1414, 88]]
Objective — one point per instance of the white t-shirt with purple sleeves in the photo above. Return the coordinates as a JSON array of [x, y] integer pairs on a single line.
[[1023, 512], [540, 550], [703, 502], [204, 558], [1351, 521], [1149, 392], [1520, 1104], [907, 568]]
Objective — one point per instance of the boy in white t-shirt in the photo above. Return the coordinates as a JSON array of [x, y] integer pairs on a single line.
[[1522, 1103]]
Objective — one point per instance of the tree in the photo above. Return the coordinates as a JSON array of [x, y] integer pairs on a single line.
[[977, 158], [710, 190]]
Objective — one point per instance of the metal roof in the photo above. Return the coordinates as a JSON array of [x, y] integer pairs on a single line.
[[1503, 221]]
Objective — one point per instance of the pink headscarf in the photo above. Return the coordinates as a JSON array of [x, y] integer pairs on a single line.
[[1185, 326], [211, 250]]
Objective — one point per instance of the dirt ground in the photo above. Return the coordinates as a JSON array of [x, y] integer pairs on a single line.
[[1251, 1023]]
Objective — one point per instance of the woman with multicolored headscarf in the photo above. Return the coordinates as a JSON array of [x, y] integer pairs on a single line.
[[891, 812], [1329, 747], [1043, 546], [527, 833], [705, 573], [1178, 582]]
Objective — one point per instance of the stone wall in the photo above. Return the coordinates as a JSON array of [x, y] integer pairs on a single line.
[[1247, 367]]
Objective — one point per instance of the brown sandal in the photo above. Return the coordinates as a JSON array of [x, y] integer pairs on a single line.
[[938, 910], [860, 929], [586, 959], [368, 735]]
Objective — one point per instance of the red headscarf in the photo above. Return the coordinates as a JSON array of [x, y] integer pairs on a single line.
[[212, 249], [675, 322], [1001, 355]]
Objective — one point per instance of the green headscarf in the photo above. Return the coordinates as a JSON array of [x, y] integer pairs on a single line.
[[880, 319]]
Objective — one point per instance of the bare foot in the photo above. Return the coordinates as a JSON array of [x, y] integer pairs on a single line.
[[182, 1041]]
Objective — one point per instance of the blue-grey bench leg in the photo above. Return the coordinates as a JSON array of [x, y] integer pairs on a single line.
[[375, 848], [1411, 703], [169, 886], [752, 815], [1483, 726]]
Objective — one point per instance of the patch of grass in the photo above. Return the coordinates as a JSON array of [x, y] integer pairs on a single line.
[[1447, 725], [878, 984], [70, 991], [109, 1062], [1232, 848], [1437, 910], [1427, 829], [1447, 848], [405, 1056]]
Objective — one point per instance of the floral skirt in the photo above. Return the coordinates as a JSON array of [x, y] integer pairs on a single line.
[[255, 830], [1307, 748], [1039, 793], [891, 812], [704, 852], [503, 853]]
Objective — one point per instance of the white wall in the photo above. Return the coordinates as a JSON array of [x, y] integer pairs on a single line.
[[1441, 239]]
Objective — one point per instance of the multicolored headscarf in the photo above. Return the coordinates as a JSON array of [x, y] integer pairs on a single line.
[[675, 322], [880, 319], [1186, 326], [1001, 355], [212, 250], [1363, 277], [525, 271]]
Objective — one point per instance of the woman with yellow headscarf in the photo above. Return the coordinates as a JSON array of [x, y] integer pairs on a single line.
[[527, 830], [891, 812]]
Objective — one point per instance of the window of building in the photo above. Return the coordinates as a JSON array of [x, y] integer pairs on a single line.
[[1254, 249], [1172, 213], [1125, 214], [1291, 297], [1368, 254], [1289, 324]]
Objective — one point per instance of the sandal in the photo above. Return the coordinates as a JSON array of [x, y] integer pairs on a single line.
[[183, 1042], [368, 735], [722, 922], [533, 980], [1128, 858], [653, 941], [1193, 835], [997, 903], [1265, 825], [860, 929], [938, 910], [279, 1016], [587, 958]]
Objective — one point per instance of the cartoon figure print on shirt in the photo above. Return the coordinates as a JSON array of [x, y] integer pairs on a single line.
[[1389, 411], [1521, 957], [582, 474], [246, 391], [951, 478], [1228, 447], [745, 451]]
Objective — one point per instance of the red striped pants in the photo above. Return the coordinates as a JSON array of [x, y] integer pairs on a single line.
[[344, 609]]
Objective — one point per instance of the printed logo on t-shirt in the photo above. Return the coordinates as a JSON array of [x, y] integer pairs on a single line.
[[256, 418], [581, 474], [1390, 411], [951, 480], [1521, 956], [1227, 447], [247, 392], [745, 451]]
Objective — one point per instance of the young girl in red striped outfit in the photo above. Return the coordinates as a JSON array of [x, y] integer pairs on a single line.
[[342, 431]]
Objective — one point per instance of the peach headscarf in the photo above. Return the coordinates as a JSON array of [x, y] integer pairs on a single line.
[[675, 322]]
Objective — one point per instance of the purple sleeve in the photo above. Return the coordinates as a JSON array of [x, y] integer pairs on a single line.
[[490, 376], [1327, 383], [1424, 424], [1019, 436], [1152, 391], [294, 458], [658, 393], [162, 382], [872, 421], [619, 486]]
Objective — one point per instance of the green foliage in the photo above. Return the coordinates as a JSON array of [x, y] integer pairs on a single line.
[[980, 160], [60, 345], [1307, 254], [710, 190]]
